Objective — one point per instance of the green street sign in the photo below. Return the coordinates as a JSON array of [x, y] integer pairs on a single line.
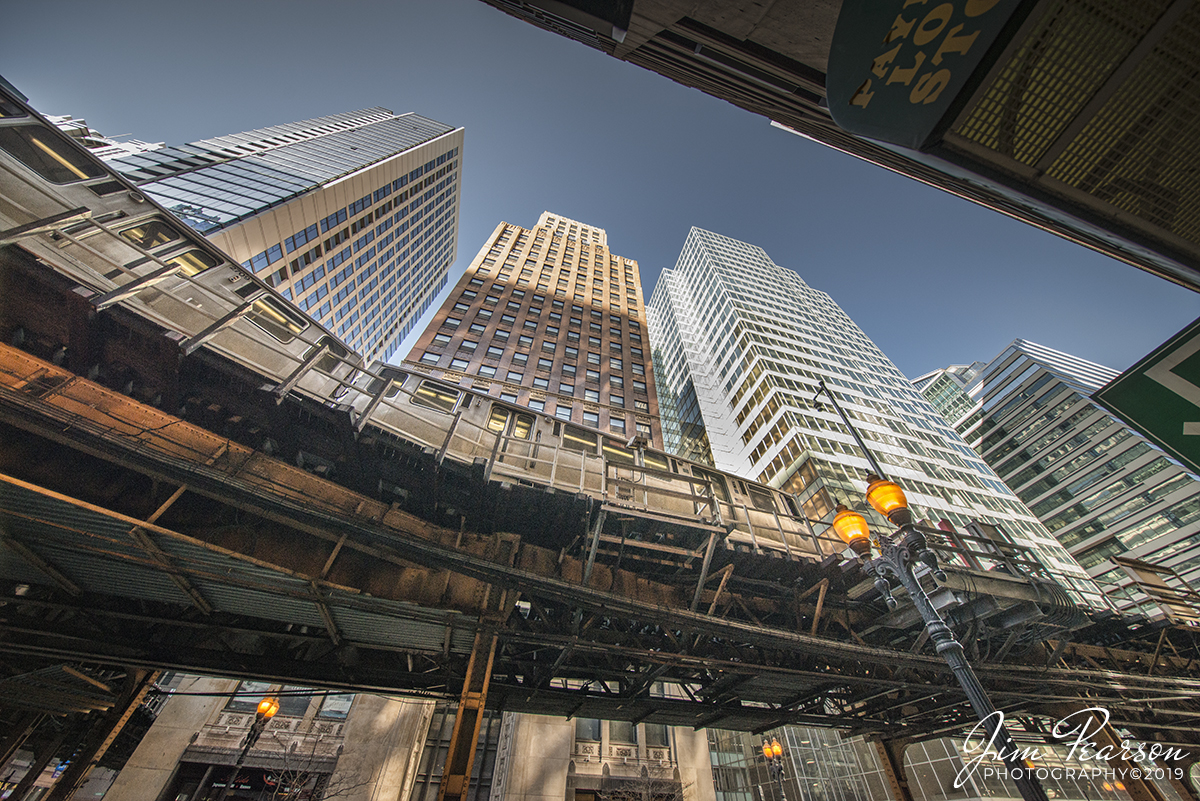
[[1160, 396]]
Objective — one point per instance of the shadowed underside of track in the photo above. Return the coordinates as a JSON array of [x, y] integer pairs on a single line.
[[135, 536]]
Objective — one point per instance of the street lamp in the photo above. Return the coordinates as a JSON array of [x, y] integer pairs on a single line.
[[898, 554], [266, 710], [773, 752]]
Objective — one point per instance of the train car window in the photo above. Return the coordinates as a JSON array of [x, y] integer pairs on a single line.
[[717, 481], [522, 426], [10, 109], [276, 319], [498, 418], [41, 151], [435, 396], [151, 234], [657, 461], [335, 355], [790, 503], [761, 499], [617, 453], [578, 439], [193, 262]]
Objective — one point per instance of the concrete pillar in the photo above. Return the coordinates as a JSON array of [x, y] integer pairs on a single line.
[[382, 749], [153, 763]]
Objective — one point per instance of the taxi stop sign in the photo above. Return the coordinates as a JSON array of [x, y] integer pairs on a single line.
[[1160, 396], [896, 67]]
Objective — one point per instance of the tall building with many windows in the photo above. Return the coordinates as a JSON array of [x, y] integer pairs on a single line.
[[741, 346], [551, 319], [352, 216], [1101, 489]]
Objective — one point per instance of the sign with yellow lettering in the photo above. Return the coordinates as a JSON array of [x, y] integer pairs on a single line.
[[896, 67]]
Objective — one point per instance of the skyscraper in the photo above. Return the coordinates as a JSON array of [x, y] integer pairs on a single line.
[[351, 216], [1101, 489], [741, 346], [551, 319]]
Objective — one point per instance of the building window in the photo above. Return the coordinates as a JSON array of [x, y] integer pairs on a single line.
[[514, 376], [639, 386], [591, 419], [563, 412], [616, 381], [545, 364], [511, 397], [593, 358], [592, 375], [617, 400], [487, 371], [441, 339], [476, 328], [616, 364], [617, 424], [568, 370], [548, 346], [541, 383], [622, 731], [638, 368], [537, 405], [459, 364], [643, 429], [468, 345], [249, 693], [429, 357], [520, 359], [587, 729], [494, 352], [566, 389], [525, 341]]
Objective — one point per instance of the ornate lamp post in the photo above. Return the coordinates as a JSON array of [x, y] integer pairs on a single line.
[[267, 708], [773, 752], [897, 555]]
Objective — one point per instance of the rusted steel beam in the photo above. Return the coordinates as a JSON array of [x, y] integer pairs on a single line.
[[456, 776]]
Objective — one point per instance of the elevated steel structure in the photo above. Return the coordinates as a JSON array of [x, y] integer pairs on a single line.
[[191, 478]]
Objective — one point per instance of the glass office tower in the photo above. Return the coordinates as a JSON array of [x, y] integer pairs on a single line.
[[740, 348], [1102, 489], [351, 216]]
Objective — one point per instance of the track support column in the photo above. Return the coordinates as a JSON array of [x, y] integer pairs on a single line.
[[456, 776], [891, 758]]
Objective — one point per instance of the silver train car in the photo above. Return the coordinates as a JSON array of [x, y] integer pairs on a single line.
[[86, 223]]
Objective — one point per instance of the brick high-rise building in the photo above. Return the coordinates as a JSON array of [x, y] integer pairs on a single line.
[[549, 318]]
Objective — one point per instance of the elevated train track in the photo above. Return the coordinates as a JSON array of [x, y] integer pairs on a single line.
[[193, 476]]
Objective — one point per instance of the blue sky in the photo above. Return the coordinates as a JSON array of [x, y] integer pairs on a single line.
[[552, 124]]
